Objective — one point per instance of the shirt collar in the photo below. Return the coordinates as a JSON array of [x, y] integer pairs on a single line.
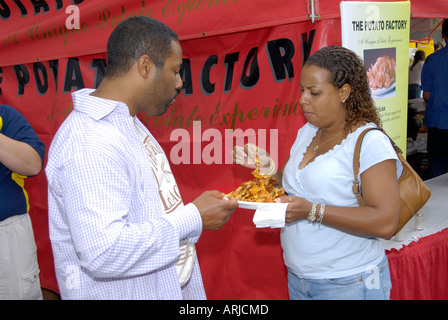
[[96, 107]]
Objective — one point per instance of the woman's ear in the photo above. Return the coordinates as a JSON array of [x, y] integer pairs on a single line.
[[344, 92]]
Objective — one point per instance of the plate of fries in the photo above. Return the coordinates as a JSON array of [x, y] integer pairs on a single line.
[[258, 192]]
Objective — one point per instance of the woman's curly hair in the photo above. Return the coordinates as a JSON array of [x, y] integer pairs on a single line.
[[346, 67]]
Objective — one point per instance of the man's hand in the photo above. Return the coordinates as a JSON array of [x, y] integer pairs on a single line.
[[214, 209]]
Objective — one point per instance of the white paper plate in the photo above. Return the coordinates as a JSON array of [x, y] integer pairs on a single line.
[[256, 205]]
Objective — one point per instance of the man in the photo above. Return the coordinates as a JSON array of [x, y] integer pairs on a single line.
[[21, 155], [435, 94], [118, 227]]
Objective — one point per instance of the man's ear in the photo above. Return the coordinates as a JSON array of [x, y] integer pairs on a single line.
[[144, 65], [344, 92]]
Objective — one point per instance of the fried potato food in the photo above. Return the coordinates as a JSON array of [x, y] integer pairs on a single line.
[[382, 73], [260, 189]]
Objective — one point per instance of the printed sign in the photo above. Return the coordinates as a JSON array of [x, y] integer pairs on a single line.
[[379, 33]]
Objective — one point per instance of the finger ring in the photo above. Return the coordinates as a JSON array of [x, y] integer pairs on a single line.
[[289, 198]]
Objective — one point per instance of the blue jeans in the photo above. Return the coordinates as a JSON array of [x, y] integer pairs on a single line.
[[414, 91], [373, 284]]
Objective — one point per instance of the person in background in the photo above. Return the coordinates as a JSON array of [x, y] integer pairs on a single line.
[[331, 245], [438, 46], [415, 71], [21, 156], [118, 226], [435, 93]]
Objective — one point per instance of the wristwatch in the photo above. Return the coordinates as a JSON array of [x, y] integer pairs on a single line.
[[312, 214]]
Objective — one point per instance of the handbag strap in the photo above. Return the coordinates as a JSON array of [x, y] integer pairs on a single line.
[[356, 183]]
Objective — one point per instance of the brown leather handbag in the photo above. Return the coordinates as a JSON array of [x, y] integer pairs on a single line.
[[413, 191]]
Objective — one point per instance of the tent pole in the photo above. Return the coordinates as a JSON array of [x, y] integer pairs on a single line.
[[313, 15]]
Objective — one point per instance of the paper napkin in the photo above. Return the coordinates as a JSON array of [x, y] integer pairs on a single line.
[[272, 215]]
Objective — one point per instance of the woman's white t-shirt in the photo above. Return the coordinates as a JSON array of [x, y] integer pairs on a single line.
[[321, 252], [416, 73]]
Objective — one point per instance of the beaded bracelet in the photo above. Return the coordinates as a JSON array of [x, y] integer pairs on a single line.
[[312, 215], [321, 214]]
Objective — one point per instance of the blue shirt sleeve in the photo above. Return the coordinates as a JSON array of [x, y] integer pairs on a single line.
[[13, 196], [15, 126], [434, 80]]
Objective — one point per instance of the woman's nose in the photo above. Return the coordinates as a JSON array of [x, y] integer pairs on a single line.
[[302, 99]]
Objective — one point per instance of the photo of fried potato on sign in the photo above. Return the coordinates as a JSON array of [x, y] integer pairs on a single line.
[[381, 72]]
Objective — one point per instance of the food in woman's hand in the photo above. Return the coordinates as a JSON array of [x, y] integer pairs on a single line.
[[260, 189]]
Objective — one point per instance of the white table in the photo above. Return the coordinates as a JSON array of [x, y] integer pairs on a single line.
[[418, 104]]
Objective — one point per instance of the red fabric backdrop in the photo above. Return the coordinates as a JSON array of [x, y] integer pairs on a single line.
[[242, 62], [419, 270]]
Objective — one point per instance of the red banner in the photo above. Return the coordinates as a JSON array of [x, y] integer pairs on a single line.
[[61, 29], [72, 28]]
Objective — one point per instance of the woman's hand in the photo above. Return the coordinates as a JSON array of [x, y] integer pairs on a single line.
[[298, 208], [246, 156]]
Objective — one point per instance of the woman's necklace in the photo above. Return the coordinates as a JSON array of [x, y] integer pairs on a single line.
[[318, 141]]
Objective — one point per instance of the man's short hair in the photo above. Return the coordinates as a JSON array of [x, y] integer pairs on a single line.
[[134, 37]]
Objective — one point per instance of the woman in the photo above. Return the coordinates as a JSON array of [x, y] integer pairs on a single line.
[[415, 72], [331, 245]]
